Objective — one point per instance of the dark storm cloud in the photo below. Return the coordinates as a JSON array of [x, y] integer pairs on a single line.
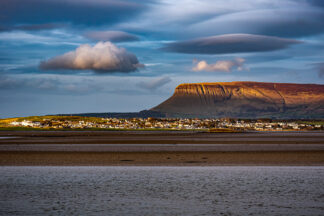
[[84, 12], [232, 43], [113, 36]]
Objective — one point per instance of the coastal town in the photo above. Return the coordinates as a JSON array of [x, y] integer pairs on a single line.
[[76, 122]]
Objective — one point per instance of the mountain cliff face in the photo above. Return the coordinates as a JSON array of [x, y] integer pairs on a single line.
[[245, 100]]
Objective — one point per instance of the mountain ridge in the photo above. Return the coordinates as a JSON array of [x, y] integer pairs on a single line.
[[245, 99]]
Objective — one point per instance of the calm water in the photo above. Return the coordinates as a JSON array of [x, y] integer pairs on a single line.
[[162, 191]]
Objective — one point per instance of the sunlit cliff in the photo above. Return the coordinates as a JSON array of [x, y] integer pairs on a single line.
[[245, 100]]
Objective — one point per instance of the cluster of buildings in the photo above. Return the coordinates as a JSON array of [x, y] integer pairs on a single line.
[[169, 123]]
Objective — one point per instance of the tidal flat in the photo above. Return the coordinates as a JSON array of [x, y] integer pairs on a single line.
[[136, 190], [160, 148]]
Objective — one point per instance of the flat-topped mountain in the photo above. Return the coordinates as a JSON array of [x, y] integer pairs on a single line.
[[245, 100]]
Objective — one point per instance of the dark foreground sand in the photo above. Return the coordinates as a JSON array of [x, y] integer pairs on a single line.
[[160, 148], [161, 158]]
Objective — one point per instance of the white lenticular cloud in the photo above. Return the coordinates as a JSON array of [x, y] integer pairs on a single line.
[[221, 66], [104, 57], [230, 43]]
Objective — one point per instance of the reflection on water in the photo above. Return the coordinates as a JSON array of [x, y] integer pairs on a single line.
[[161, 191]]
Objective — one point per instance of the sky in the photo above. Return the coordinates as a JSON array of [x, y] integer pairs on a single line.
[[78, 56]]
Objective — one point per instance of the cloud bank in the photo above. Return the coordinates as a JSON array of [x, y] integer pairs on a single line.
[[113, 36], [220, 66], [104, 57], [49, 85], [155, 83], [282, 22], [231, 43], [196, 18], [80, 12], [320, 69], [33, 27]]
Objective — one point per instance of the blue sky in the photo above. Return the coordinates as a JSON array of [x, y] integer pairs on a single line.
[[75, 56]]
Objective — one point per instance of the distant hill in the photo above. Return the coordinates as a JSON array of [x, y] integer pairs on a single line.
[[245, 100]]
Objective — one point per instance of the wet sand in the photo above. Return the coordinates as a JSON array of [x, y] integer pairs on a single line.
[[160, 148], [160, 158]]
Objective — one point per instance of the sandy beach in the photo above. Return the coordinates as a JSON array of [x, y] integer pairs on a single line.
[[160, 148]]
